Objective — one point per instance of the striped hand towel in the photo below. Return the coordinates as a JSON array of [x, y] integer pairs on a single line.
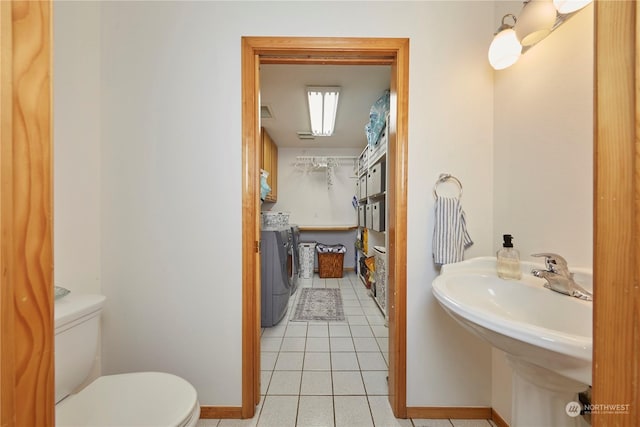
[[450, 236]]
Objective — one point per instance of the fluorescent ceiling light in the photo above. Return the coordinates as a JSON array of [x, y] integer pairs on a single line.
[[323, 105]]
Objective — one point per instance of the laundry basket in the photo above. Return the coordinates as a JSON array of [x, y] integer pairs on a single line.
[[330, 260], [306, 254]]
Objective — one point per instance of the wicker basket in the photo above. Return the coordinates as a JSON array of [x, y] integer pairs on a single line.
[[330, 265]]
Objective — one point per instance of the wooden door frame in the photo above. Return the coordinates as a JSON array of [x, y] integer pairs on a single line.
[[616, 312], [26, 259], [317, 50]]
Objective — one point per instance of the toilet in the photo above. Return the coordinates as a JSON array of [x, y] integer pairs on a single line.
[[132, 399]]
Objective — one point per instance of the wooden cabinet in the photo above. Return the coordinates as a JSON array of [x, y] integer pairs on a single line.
[[270, 164]]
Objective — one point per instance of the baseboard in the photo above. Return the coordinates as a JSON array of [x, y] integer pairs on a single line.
[[496, 418], [220, 412], [447, 412]]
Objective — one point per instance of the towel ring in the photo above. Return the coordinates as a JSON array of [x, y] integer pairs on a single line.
[[444, 177]]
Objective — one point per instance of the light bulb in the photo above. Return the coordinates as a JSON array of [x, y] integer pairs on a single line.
[[504, 50]]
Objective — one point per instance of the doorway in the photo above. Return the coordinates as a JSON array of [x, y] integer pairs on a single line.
[[331, 51]]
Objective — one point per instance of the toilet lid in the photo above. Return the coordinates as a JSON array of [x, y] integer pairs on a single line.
[[135, 399]]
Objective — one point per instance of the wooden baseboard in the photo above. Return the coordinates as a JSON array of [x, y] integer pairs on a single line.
[[447, 412], [220, 412], [496, 418]]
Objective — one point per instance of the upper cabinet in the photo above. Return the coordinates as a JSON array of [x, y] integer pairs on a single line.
[[270, 164]]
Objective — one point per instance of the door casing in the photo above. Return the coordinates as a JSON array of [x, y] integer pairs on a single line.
[[346, 51]]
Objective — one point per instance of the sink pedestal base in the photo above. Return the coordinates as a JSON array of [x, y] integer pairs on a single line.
[[540, 397]]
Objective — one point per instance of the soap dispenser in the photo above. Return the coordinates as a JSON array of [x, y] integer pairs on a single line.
[[508, 263]]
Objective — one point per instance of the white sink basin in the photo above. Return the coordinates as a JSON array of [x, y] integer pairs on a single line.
[[521, 317]]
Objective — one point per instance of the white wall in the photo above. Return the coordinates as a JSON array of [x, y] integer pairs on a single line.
[[76, 144], [170, 179], [543, 154]]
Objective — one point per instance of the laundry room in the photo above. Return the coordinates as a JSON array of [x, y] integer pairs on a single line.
[[322, 231]]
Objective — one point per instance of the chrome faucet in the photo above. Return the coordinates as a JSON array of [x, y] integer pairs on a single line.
[[559, 278]]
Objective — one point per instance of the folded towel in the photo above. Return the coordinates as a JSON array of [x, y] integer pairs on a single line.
[[450, 236]]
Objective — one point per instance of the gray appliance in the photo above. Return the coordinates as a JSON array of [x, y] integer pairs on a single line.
[[295, 241], [276, 274]]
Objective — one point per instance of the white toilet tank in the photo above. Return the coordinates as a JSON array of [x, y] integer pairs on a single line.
[[77, 326]]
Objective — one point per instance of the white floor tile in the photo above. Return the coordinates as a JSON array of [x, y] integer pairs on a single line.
[[318, 330], [204, 422], [297, 329], [363, 331], [372, 361], [383, 343], [352, 411], [317, 361], [431, 423], [380, 331], [347, 383], [268, 360], [275, 331], [375, 319], [470, 423], [375, 382], [285, 383], [293, 344], [270, 344], [357, 320], [366, 344], [344, 361], [341, 344], [289, 361], [315, 411], [354, 302], [317, 344], [265, 378], [339, 331], [316, 383], [382, 414], [279, 411], [353, 311]]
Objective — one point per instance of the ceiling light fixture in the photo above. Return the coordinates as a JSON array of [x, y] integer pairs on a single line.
[[323, 105], [505, 48]]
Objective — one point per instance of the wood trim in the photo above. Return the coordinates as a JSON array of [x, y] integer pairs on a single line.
[[450, 412], [251, 159], [497, 419], [348, 51], [616, 315], [7, 328], [220, 412], [27, 259]]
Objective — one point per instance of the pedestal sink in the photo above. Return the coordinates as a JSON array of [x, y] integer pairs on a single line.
[[547, 336]]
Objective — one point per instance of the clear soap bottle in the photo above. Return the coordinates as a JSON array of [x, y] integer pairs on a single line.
[[508, 262]]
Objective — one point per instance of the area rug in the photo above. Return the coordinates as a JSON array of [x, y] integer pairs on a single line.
[[319, 304]]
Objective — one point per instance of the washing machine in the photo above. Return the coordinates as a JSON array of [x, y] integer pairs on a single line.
[[276, 274]]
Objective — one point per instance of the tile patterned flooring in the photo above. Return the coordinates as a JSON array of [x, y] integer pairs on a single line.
[[329, 374]]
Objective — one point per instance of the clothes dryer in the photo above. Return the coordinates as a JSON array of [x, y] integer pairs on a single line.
[[276, 274]]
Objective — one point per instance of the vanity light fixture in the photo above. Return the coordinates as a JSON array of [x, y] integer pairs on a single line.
[[505, 48], [536, 21], [323, 105]]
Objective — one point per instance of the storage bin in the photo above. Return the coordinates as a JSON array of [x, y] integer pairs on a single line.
[[380, 282], [376, 179], [330, 260], [368, 215], [269, 219], [362, 222], [362, 185], [306, 254], [377, 216]]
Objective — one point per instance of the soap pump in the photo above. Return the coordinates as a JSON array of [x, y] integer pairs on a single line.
[[508, 260]]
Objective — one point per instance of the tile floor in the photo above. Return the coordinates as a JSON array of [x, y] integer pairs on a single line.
[[330, 374]]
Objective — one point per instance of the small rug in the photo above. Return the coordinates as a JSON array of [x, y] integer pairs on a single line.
[[319, 304]]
